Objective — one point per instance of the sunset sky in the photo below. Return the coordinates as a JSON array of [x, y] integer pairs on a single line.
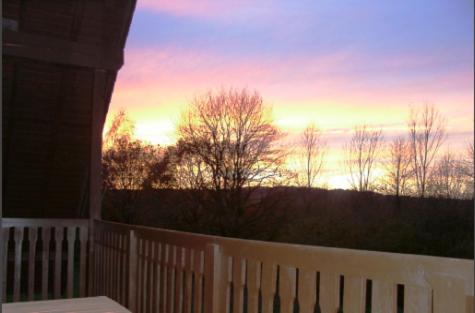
[[335, 63]]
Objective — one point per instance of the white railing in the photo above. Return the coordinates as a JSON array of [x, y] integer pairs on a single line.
[[156, 270], [41, 258]]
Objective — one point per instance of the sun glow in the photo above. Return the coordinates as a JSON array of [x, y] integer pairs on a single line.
[[161, 132]]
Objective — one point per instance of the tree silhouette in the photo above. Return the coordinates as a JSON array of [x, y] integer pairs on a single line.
[[447, 179], [397, 167], [426, 134], [130, 164], [227, 149], [312, 155], [361, 154]]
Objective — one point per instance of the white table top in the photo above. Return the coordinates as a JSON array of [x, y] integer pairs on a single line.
[[76, 305]]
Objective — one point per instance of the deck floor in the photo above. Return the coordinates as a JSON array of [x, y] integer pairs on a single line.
[[76, 305]]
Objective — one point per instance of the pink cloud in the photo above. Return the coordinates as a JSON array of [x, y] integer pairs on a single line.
[[201, 8], [338, 83]]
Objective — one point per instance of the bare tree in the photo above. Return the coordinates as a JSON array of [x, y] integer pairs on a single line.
[[448, 177], [313, 153], [397, 167], [426, 134], [227, 150], [469, 171], [122, 128], [361, 154], [130, 165]]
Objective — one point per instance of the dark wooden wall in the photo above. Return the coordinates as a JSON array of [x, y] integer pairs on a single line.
[[60, 61]]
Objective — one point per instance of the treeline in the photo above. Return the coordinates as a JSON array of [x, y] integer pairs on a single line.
[[414, 164], [228, 169], [219, 128]]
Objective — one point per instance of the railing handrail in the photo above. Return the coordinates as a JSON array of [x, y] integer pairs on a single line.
[[417, 270], [43, 222]]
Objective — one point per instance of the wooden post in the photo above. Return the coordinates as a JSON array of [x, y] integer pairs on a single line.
[[212, 276], [97, 123], [5, 233], [18, 240], [132, 282]]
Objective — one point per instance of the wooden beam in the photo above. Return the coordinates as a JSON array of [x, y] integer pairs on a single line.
[[99, 99], [54, 50], [99, 105]]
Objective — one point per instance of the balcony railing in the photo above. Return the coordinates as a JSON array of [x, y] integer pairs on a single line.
[[155, 270], [44, 258]]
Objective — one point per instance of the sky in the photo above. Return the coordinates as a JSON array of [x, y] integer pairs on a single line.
[[337, 64]]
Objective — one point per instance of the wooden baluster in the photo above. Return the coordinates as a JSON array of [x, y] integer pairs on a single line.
[[449, 296], [171, 278], [119, 268], [354, 295], [198, 266], [150, 276], [188, 272], [225, 273], [32, 238], [217, 276], [98, 257], [132, 271], [18, 239], [179, 279], [253, 285], [146, 276], [101, 282], [238, 278], [139, 275], [124, 270], [111, 266], [83, 233], [417, 299], [71, 233], [108, 271], [287, 287], [99, 254], [156, 276], [6, 240], [106, 263], [110, 263], [268, 287], [45, 238], [307, 293], [94, 267], [115, 266], [383, 299], [163, 274], [329, 292], [58, 260]]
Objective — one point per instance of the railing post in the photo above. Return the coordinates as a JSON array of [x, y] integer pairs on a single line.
[[91, 270], [131, 283], [212, 276]]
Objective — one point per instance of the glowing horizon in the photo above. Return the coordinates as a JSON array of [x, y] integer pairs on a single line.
[[323, 62]]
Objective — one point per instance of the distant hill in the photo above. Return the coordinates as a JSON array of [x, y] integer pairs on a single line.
[[337, 218]]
